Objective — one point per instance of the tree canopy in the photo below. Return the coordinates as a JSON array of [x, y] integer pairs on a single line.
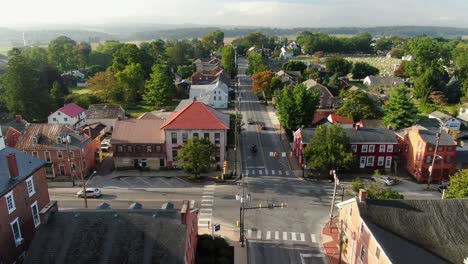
[[458, 185], [62, 53], [197, 155], [339, 66], [257, 63], [358, 105], [361, 70], [228, 60], [400, 111], [293, 65], [160, 87]]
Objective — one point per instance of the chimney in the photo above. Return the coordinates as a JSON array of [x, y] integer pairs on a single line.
[[362, 195], [12, 165], [184, 211], [19, 118]]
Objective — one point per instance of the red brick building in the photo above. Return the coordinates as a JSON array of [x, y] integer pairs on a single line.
[[12, 130], [417, 146], [23, 194], [68, 152]]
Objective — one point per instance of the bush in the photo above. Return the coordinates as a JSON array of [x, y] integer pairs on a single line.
[[357, 185]]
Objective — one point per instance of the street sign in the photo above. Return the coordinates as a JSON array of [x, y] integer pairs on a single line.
[[217, 227]]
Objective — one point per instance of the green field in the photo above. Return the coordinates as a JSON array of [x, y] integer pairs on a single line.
[[4, 48], [81, 90], [385, 65]]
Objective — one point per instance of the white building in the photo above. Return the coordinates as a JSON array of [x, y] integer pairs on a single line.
[[70, 114], [215, 95], [449, 122]]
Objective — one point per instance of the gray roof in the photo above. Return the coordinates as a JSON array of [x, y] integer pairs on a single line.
[[380, 81], [110, 236], [429, 123], [202, 90], [105, 111], [440, 115], [361, 135], [429, 136], [183, 103], [27, 166], [419, 231]]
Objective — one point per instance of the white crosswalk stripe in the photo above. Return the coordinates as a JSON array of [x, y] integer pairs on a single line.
[[246, 172], [249, 233], [260, 172], [259, 234], [268, 236], [276, 235], [206, 210], [272, 172], [285, 235], [287, 173]]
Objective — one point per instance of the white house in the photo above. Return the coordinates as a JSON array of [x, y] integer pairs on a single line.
[[383, 81], [463, 114], [215, 95], [70, 114], [286, 53], [449, 122]]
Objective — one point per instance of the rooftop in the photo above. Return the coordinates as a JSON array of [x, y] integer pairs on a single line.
[[138, 131], [105, 111], [46, 136], [440, 115], [361, 135], [71, 109], [197, 116], [378, 81]]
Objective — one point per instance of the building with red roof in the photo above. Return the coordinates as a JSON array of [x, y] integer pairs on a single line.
[[70, 114], [195, 120]]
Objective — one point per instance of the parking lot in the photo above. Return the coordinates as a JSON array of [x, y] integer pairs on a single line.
[[135, 182]]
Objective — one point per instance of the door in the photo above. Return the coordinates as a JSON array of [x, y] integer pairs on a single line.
[[362, 162], [161, 162], [62, 170]]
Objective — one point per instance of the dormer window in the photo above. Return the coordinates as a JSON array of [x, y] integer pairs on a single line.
[[59, 140], [34, 140], [58, 113]]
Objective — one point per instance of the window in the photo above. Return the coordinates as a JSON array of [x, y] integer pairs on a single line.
[[119, 148], [129, 149], [354, 148], [364, 148], [214, 98], [158, 148], [449, 148], [58, 113], [30, 185], [47, 156], [195, 135], [59, 155], [34, 139], [15, 227], [84, 164], [62, 170], [54, 119], [35, 154], [138, 148], [10, 202], [382, 148], [371, 148], [430, 148], [184, 137], [59, 140], [35, 214], [206, 135], [219, 97], [65, 119], [217, 138], [174, 154], [389, 148], [49, 172], [377, 253], [428, 159], [71, 155], [149, 149], [174, 138], [448, 159], [370, 161], [362, 254], [73, 167], [380, 161], [440, 149]]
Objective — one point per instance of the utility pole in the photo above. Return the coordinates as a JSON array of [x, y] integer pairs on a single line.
[[82, 180], [334, 195], [241, 214], [431, 169], [72, 173]]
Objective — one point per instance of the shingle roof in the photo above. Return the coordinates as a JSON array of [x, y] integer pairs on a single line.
[[335, 118], [138, 131], [379, 81], [197, 116], [438, 226], [47, 135], [110, 236], [27, 165], [361, 135], [207, 89], [71, 109], [18, 123], [442, 116], [105, 111]]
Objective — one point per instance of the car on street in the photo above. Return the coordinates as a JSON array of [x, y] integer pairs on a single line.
[[90, 193], [250, 121], [105, 145], [385, 180]]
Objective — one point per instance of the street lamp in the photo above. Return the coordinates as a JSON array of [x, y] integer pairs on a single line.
[[337, 181], [431, 168]]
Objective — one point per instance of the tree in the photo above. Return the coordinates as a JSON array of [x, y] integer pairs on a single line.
[[62, 53], [228, 60], [128, 54], [257, 63], [57, 95], [375, 191], [102, 85], [160, 87], [132, 80], [156, 50], [400, 111], [454, 90], [438, 98], [357, 105], [177, 53], [338, 65], [197, 155], [329, 149], [397, 53], [261, 81], [384, 44], [83, 52], [293, 65], [400, 71], [458, 188], [361, 70], [286, 108], [213, 41], [185, 71], [425, 83]]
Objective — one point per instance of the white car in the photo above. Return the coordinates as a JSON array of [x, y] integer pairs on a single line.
[[384, 180], [90, 192], [105, 145]]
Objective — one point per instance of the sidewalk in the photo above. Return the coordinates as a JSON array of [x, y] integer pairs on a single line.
[[330, 241]]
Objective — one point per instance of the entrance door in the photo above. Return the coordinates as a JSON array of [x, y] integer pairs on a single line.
[[62, 170], [362, 162], [161, 162]]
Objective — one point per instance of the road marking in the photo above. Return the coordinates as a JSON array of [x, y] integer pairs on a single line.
[[210, 213], [285, 235], [302, 237], [260, 172], [207, 196], [272, 172], [249, 233], [280, 172], [207, 200], [276, 235], [293, 236], [145, 181], [312, 238], [206, 205], [259, 234], [271, 154], [206, 209], [287, 172], [164, 182], [209, 186], [208, 192], [268, 236]]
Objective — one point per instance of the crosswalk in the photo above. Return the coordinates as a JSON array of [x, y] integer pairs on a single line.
[[296, 237], [249, 172], [206, 208]]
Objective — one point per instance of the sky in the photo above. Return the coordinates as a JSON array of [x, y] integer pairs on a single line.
[[270, 13]]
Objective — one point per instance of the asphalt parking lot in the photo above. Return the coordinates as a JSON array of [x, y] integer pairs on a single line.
[[135, 182]]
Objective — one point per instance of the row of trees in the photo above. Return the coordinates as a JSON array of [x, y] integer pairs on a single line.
[[312, 43]]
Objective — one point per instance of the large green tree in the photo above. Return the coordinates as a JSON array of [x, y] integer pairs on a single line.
[[361, 70], [132, 80], [358, 105], [62, 53], [197, 155], [160, 87], [103, 85], [178, 53], [156, 50], [294, 65], [128, 54], [83, 52], [338, 65], [257, 63], [458, 185], [228, 60], [213, 41], [329, 149], [400, 111]]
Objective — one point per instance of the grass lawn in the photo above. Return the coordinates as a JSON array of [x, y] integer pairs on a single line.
[[385, 65], [135, 110], [77, 90]]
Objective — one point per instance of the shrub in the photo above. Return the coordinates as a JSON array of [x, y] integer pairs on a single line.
[[357, 185]]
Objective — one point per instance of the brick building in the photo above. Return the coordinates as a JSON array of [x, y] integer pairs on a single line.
[[23, 194], [417, 146]]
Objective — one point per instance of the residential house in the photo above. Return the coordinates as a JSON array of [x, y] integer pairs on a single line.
[[370, 123], [343, 121], [23, 194], [328, 96], [320, 115], [462, 155], [216, 95], [106, 114], [12, 130], [372, 147], [403, 231], [139, 143], [294, 76], [195, 120], [417, 146], [286, 53], [70, 114], [448, 121], [211, 77], [67, 152], [207, 65], [463, 114], [116, 236], [383, 81]]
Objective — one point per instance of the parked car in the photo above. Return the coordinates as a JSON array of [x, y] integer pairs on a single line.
[[105, 145], [384, 180], [250, 121], [90, 192]]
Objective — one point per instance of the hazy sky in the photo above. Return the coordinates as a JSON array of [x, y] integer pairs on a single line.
[[286, 13]]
